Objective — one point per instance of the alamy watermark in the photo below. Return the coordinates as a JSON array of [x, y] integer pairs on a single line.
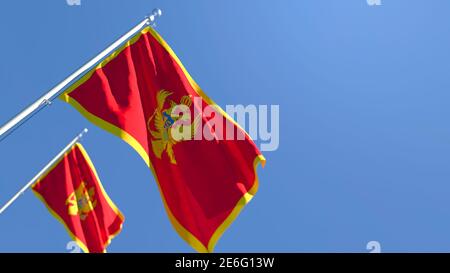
[[73, 247], [374, 2], [374, 247], [73, 2], [173, 122]]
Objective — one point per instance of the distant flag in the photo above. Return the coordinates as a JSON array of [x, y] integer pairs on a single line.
[[73, 193], [204, 184]]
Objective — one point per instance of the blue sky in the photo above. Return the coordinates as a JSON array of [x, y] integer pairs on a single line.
[[364, 104]]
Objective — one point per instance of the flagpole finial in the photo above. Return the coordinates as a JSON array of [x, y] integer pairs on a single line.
[[85, 130], [152, 16], [157, 12]]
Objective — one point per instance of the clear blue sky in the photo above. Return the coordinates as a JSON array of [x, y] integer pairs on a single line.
[[364, 103]]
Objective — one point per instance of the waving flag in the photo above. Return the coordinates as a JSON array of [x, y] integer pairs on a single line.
[[204, 181], [73, 193]]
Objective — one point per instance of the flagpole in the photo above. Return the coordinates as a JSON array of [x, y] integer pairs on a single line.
[[59, 88], [48, 166]]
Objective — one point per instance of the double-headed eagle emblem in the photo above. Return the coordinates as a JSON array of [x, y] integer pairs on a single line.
[[164, 121], [81, 201]]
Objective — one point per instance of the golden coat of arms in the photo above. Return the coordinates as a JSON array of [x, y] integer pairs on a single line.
[[81, 201], [164, 121]]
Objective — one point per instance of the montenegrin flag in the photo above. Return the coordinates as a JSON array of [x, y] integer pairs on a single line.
[[73, 193], [206, 177]]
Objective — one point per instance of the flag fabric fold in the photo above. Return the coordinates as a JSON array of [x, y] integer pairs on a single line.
[[73, 193], [203, 183]]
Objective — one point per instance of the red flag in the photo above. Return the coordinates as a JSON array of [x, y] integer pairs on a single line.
[[204, 183], [73, 193]]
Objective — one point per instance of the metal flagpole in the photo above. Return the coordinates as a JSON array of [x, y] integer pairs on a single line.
[[48, 166], [57, 90]]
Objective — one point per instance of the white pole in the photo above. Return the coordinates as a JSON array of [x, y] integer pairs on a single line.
[[49, 165], [50, 95]]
